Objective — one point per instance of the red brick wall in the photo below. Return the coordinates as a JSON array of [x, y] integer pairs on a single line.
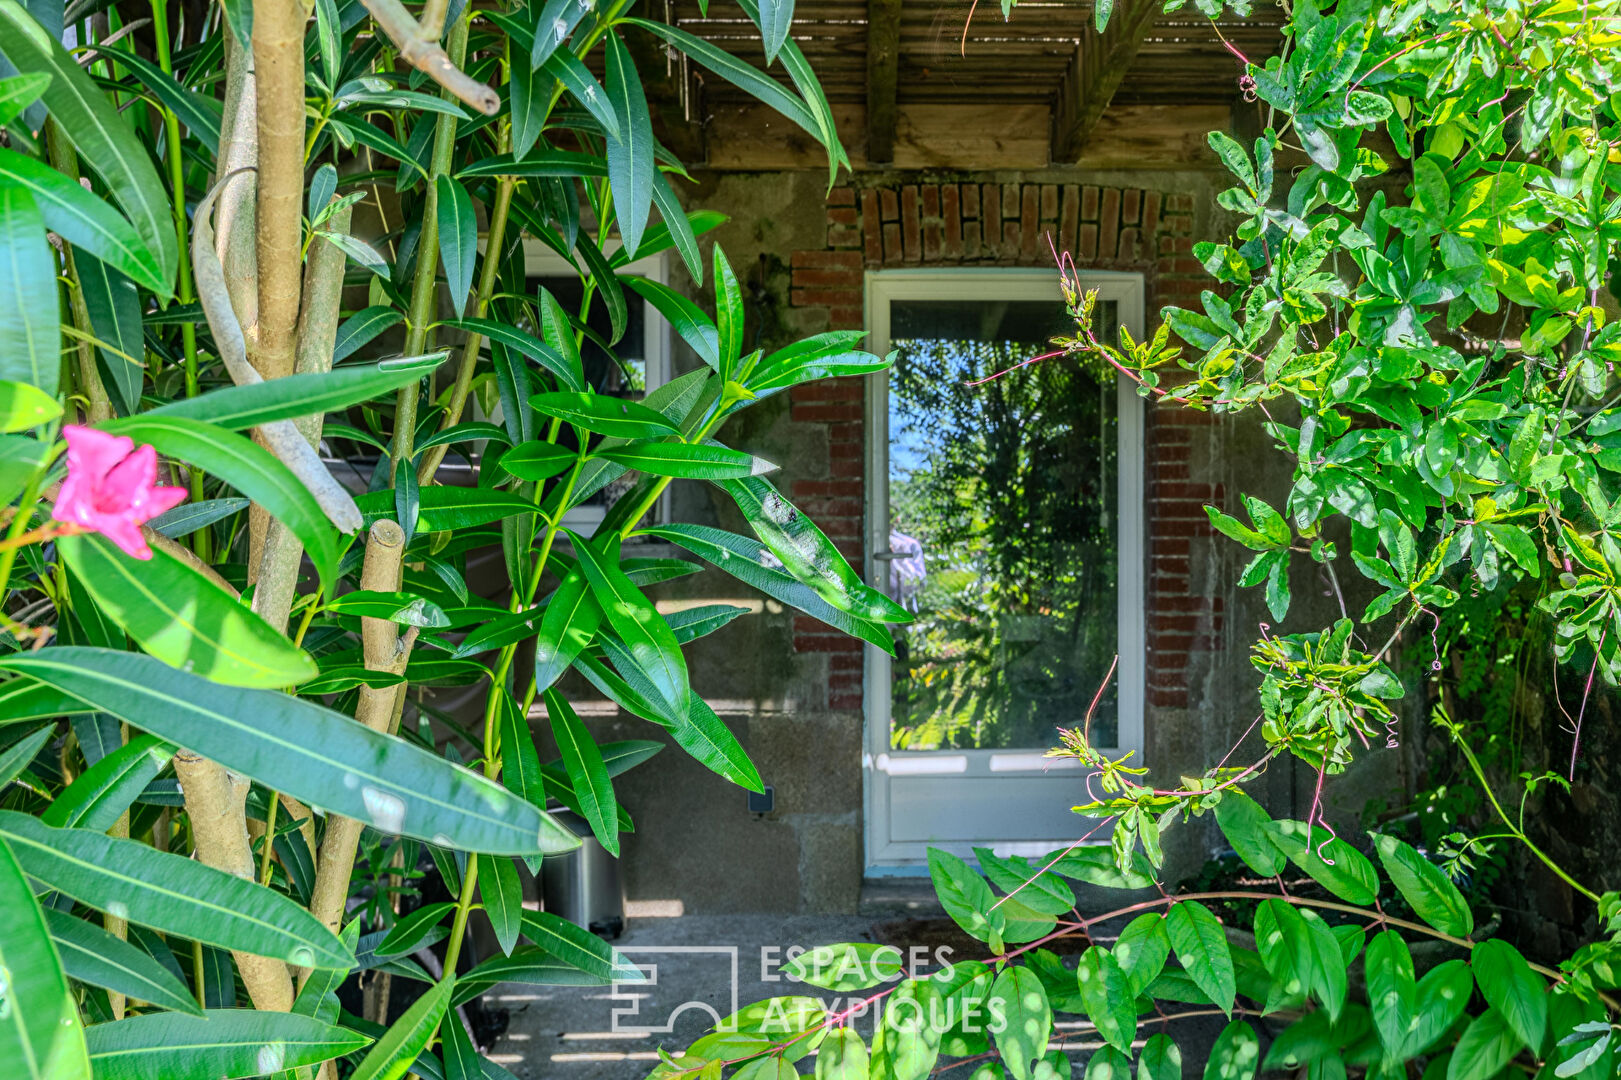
[[1011, 224]]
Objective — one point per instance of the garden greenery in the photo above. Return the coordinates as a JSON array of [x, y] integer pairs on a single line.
[[228, 535], [1414, 301]]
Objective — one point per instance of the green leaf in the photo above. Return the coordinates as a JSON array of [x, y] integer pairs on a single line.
[[24, 406], [728, 314], [776, 18], [1141, 950], [246, 466], [170, 893], [1518, 994], [1044, 892], [319, 757], [679, 459], [907, 1044], [1341, 868], [1423, 885], [238, 408], [82, 219], [742, 557], [458, 240], [677, 227], [1106, 993], [569, 70], [683, 315], [842, 1056], [586, 772], [605, 415], [97, 958], [579, 948], [1244, 822], [807, 553], [630, 152], [40, 1033], [846, 967], [696, 728], [318, 997], [1443, 995], [1161, 1059], [569, 624], [100, 794], [20, 754], [1029, 1018], [407, 609], [502, 894], [1201, 946], [1236, 1054], [22, 700], [966, 897], [114, 306], [536, 461], [28, 304], [635, 620], [184, 619], [21, 459], [744, 76], [200, 114], [1391, 990], [462, 1060], [401, 1044], [105, 141], [361, 328], [18, 92], [445, 508], [568, 163], [1487, 1045]]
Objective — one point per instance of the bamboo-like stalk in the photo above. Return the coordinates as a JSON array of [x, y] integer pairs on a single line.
[[278, 67], [383, 650], [98, 406], [239, 155], [216, 801], [317, 329], [424, 286]]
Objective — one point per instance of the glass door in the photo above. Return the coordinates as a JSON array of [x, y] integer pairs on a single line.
[[1005, 510]]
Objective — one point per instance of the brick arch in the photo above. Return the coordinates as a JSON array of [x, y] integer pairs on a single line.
[[905, 223]]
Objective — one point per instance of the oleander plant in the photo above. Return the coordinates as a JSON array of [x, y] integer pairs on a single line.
[[261, 271], [1417, 303]]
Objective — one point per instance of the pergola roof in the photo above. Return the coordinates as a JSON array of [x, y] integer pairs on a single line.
[[890, 56]]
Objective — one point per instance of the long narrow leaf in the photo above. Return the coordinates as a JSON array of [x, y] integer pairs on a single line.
[[320, 757], [104, 139], [93, 956], [220, 1043], [81, 219], [586, 773], [28, 303], [170, 893], [40, 1034]]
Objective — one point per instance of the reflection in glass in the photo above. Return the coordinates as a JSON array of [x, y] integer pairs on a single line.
[[1003, 526]]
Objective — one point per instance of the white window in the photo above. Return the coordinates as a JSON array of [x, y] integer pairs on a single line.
[[1009, 516]]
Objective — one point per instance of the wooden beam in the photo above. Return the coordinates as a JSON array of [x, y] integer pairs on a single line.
[[976, 138], [1095, 72], [883, 74]]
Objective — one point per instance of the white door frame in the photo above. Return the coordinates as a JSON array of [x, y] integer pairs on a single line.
[[951, 775]]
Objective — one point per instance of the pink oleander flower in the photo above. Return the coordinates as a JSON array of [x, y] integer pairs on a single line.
[[112, 488]]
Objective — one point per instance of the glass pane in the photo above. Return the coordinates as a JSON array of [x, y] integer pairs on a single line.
[[1003, 521]]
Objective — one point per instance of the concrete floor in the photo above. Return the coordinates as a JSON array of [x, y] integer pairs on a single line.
[[701, 969]]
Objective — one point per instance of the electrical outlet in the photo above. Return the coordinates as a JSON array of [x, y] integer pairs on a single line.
[[762, 802]]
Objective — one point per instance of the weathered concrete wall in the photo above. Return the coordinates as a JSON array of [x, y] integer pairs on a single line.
[[790, 688]]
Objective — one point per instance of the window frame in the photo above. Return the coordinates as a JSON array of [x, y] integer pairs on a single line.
[[881, 765]]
